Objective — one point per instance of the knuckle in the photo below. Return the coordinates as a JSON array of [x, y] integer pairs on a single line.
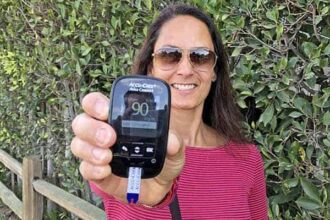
[[93, 172], [82, 170], [74, 145], [74, 123], [77, 121]]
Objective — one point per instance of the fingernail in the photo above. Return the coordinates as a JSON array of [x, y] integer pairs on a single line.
[[99, 107], [102, 136], [98, 153], [98, 170]]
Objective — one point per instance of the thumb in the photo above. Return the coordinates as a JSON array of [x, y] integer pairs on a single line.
[[175, 149], [174, 159]]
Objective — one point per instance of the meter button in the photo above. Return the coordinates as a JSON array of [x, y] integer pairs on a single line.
[[136, 151], [149, 151], [123, 149]]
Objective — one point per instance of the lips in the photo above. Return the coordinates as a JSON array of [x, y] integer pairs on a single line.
[[183, 87]]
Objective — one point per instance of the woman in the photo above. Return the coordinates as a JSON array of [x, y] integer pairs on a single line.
[[210, 167]]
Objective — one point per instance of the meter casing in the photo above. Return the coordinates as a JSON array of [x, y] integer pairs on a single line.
[[139, 113]]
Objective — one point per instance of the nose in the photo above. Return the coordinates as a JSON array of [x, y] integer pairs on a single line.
[[184, 66]]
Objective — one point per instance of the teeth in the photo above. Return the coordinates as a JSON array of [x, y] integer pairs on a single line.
[[184, 86]]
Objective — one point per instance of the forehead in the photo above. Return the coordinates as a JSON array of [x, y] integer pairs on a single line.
[[184, 31]]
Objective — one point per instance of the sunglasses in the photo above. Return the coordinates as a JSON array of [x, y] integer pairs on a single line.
[[201, 59]]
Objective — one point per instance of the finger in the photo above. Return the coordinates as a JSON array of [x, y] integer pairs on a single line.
[[174, 160], [97, 133], [90, 153], [94, 172], [174, 145], [96, 105], [113, 185]]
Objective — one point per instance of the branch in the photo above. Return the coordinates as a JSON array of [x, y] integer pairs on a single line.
[[296, 52], [27, 21], [314, 24], [263, 43]]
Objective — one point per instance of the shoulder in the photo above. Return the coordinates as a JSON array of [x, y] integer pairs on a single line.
[[249, 160], [244, 151]]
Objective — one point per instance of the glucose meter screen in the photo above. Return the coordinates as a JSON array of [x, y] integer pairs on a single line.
[[139, 114]]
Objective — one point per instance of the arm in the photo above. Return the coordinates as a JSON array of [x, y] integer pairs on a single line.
[[92, 142], [257, 197]]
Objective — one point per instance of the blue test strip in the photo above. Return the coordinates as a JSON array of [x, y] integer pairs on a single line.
[[133, 186]]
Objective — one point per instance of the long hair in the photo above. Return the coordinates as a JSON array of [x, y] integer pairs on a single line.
[[220, 110]]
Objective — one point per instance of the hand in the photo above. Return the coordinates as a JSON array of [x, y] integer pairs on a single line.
[[92, 143]]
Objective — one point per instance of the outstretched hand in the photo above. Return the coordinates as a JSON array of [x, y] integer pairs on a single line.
[[92, 143]]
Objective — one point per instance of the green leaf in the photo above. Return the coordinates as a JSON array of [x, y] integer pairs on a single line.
[[295, 114], [66, 33], [326, 118], [246, 92], [325, 10], [113, 22], [259, 3], [241, 22], [86, 50], [62, 9], [302, 105], [279, 31], [269, 26], [292, 62], [308, 203], [105, 43], [326, 50], [281, 198], [310, 190], [224, 17], [148, 3], [326, 90], [78, 68], [258, 88], [282, 64], [286, 79], [309, 48], [241, 103], [272, 15], [326, 142], [317, 101], [290, 183], [267, 115], [236, 52]]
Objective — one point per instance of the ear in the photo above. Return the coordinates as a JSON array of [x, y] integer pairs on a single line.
[[214, 77], [150, 70]]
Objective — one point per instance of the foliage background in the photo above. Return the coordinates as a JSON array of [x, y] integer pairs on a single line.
[[53, 52]]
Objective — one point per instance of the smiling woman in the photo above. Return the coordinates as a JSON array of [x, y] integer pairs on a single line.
[[196, 32], [211, 171], [190, 81]]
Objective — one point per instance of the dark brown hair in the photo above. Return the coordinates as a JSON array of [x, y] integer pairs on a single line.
[[220, 110]]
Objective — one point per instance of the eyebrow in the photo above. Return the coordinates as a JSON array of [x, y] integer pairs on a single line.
[[172, 46], [169, 45]]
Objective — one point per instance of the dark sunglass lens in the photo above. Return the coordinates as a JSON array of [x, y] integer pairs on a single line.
[[168, 57], [202, 58]]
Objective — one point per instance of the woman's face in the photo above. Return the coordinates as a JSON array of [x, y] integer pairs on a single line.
[[189, 85]]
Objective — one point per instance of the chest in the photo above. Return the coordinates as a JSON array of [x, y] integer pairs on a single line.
[[215, 185]]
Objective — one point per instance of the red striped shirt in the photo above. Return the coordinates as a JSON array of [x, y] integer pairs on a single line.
[[216, 183]]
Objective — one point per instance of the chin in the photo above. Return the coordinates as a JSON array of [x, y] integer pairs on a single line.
[[184, 106]]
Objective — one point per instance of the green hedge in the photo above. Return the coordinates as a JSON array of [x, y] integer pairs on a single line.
[[54, 52]]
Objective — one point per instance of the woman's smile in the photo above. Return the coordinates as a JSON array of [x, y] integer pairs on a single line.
[[184, 86], [189, 86]]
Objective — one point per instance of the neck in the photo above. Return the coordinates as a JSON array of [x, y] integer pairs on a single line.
[[188, 124]]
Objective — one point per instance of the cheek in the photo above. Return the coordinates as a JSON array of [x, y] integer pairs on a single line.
[[207, 83], [207, 78], [164, 75]]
